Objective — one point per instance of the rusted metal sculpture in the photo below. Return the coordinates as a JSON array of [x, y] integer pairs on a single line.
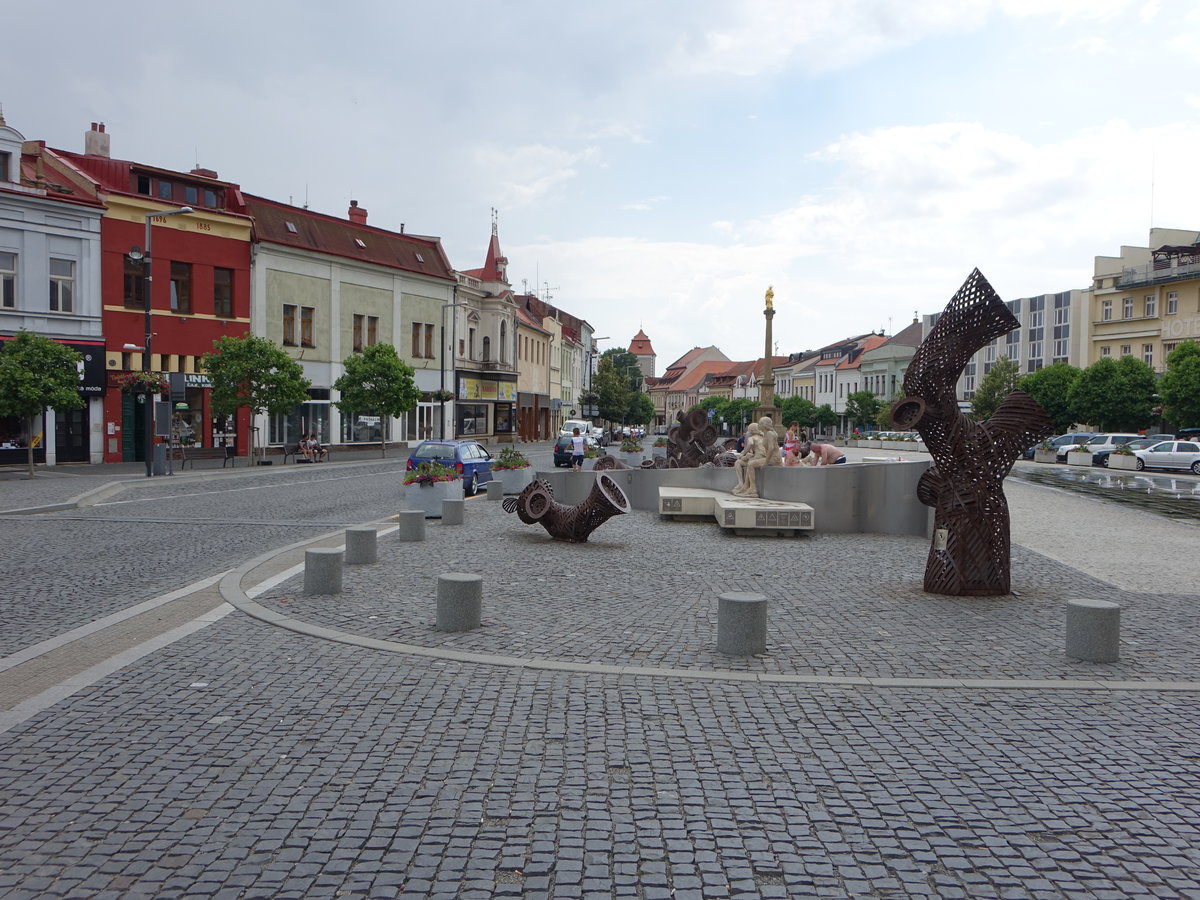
[[970, 553], [536, 505], [606, 462], [692, 442]]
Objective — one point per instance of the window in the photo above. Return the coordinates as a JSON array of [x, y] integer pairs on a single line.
[[306, 326], [1148, 354], [487, 348], [1036, 318], [1106, 311], [223, 293], [1168, 346], [359, 243], [503, 342], [5, 167], [1127, 308], [471, 343], [290, 227], [1106, 351], [210, 199], [62, 285], [8, 281], [358, 333], [372, 330], [165, 190], [1151, 306], [181, 287], [135, 285], [1035, 353], [142, 184], [416, 340], [1062, 315], [1172, 303], [1125, 348], [289, 325], [429, 342], [191, 195]]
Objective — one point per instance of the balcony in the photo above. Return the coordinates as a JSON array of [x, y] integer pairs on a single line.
[[1156, 273]]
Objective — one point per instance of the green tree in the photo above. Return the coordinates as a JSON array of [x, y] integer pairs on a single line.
[[998, 383], [252, 372], [612, 387], [862, 408], [37, 373], [1180, 386], [825, 416], [379, 381], [641, 410], [798, 409], [1114, 395], [1050, 387]]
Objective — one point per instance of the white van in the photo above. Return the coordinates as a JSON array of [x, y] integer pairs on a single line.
[[587, 429]]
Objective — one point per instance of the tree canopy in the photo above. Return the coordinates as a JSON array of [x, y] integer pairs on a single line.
[[252, 372], [862, 408], [998, 383], [1180, 386], [1114, 394], [1050, 387], [37, 373], [378, 381], [798, 409]]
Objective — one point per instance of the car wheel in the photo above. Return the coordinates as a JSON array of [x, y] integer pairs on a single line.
[[1104, 461], [469, 486], [1141, 464], [1196, 467]]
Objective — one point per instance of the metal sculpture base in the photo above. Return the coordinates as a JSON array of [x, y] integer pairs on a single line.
[[970, 554], [573, 524]]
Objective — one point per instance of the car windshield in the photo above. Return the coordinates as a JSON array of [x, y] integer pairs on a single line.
[[434, 451]]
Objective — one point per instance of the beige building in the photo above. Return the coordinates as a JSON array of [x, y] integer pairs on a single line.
[[1145, 301]]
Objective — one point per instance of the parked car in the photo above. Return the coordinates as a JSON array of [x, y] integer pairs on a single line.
[[585, 427], [1170, 455], [1062, 449], [1100, 457], [1074, 437], [563, 449], [1109, 442], [470, 458]]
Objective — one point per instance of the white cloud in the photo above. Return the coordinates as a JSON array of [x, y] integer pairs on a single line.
[[523, 175], [645, 205]]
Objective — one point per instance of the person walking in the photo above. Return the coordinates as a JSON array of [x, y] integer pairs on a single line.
[[577, 450]]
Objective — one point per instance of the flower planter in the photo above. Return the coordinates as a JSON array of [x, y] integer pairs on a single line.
[[1120, 461], [429, 497], [633, 460], [1079, 458], [1045, 456], [514, 480], [870, 445], [897, 445]]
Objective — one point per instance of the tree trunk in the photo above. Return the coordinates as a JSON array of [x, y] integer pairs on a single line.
[[382, 447], [29, 445]]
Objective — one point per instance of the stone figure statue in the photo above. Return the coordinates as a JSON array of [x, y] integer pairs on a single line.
[[771, 439], [749, 461]]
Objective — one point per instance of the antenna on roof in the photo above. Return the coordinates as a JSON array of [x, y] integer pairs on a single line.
[[306, 195], [495, 221]]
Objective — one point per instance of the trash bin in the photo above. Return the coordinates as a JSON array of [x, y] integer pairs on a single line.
[[160, 459]]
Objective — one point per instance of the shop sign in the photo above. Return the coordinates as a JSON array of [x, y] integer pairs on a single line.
[[197, 380], [1181, 328], [92, 376], [487, 389]]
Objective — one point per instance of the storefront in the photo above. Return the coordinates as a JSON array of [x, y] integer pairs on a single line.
[[312, 417], [486, 407]]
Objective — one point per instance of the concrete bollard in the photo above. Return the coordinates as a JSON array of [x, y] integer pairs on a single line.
[[1094, 630], [322, 571], [452, 511], [495, 490], [741, 623], [361, 546], [459, 601], [411, 525]]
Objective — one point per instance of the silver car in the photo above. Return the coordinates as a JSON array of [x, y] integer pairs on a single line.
[[1170, 455]]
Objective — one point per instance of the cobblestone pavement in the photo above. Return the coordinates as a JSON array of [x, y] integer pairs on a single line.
[[248, 761]]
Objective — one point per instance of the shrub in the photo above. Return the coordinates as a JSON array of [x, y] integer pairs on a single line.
[[510, 458], [430, 472]]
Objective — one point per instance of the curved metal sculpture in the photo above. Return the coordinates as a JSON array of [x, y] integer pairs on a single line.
[[692, 442], [606, 462], [536, 505], [970, 554]]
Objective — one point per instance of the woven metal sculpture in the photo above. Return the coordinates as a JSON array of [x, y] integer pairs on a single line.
[[574, 524], [970, 553], [692, 442]]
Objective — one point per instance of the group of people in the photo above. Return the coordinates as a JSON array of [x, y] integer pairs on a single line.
[[311, 449]]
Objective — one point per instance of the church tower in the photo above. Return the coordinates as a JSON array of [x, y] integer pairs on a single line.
[[640, 347]]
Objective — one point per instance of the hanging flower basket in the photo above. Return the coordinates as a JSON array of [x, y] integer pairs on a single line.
[[441, 396], [141, 382]]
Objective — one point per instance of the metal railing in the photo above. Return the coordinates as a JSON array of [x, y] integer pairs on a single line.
[[1151, 274]]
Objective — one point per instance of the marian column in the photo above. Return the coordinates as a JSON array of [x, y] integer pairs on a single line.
[[766, 384]]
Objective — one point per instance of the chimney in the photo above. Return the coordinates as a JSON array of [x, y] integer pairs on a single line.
[[204, 173], [356, 213], [95, 142]]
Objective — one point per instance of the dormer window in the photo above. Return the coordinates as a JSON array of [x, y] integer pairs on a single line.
[[5, 166], [360, 243], [290, 227], [420, 258]]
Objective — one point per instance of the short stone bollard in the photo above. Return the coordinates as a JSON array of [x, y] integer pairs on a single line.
[[741, 623], [459, 601], [361, 546], [1094, 630], [452, 511], [495, 490], [322, 571], [411, 525]]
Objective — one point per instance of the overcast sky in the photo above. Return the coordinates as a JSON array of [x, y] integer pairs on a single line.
[[659, 164]]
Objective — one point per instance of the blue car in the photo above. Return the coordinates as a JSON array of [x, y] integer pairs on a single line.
[[472, 461]]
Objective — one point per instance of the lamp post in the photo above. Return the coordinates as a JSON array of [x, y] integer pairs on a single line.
[[143, 257], [442, 363]]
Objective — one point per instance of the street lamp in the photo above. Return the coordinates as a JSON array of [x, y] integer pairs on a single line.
[[442, 363], [143, 258]]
